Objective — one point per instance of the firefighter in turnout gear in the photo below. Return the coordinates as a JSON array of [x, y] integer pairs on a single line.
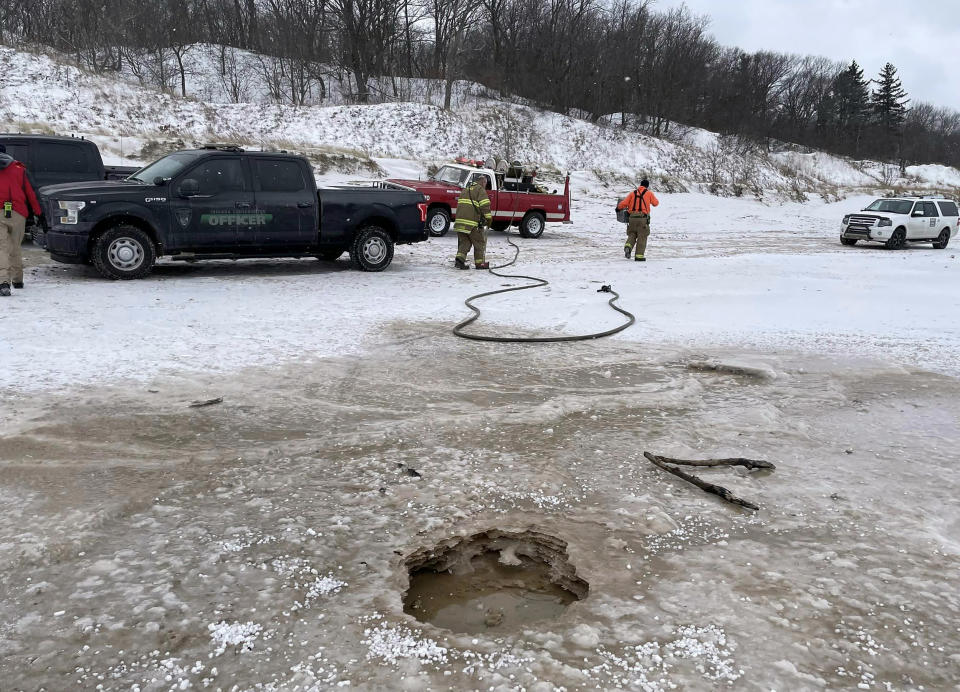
[[473, 215], [638, 203]]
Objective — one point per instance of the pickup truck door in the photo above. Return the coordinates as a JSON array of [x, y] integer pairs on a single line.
[[213, 205], [287, 200]]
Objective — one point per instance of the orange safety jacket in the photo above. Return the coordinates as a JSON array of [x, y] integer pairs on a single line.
[[639, 201]]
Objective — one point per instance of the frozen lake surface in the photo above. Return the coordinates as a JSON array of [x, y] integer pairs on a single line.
[[261, 543]]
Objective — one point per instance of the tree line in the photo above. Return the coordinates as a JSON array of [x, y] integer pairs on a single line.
[[618, 61]]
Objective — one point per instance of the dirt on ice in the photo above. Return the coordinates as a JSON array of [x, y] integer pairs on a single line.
[[264, 543]]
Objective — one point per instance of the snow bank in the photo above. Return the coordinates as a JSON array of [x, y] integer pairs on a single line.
[[820, 166], [935, 174]]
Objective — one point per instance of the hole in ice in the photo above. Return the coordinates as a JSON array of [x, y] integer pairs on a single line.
[[495, 581]]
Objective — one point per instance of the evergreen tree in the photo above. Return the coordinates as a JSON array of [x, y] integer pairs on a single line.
[[889, 101], [845, 110], [852, 99]]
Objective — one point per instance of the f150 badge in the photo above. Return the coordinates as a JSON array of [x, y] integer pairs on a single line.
[[154, 199]]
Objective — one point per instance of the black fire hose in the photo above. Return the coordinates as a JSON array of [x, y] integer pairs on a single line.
[[458, 330]]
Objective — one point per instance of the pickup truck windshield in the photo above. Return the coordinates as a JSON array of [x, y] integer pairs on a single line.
[[167, 167], [892, 206], [452, 176]]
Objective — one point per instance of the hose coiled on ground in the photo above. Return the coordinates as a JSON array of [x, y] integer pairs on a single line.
[[458, 330]]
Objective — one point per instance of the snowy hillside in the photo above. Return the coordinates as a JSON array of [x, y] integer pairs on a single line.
[[133, 123]]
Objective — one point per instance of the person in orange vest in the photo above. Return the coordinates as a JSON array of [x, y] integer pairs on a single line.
[[638, 203]]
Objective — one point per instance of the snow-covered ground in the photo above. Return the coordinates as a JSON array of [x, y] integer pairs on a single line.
[[259, 543], [721, 272]]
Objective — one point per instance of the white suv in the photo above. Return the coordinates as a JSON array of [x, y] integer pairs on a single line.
[[899, 220]]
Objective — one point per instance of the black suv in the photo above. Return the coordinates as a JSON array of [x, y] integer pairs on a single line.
[[53, 160]]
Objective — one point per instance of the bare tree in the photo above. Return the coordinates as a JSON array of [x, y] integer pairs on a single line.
[[368, 30], [452, 21]]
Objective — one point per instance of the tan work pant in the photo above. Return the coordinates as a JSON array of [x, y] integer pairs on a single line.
[[477, 239], [11, 258], [638, 230]]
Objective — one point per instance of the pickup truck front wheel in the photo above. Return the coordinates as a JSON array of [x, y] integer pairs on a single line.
[[124, 252], [438, 221], [372, 249], [532, 225]]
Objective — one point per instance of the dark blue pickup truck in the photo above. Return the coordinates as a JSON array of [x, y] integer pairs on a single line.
[[222, 202]]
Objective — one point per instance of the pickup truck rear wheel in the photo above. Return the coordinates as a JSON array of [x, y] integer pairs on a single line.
[[897, 240], [438, 221], [532, 224], [942, 240], [372, 249], [124, 252], [500, 225]]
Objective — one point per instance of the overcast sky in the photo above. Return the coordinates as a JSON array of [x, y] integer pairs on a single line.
[[920, 37]]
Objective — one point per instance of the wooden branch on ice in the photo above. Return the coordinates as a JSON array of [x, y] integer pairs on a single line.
[[206, 402], [665, 463], [736, 461]]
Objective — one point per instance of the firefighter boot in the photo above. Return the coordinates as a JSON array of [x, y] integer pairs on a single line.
[[626, 251], [18, 284], [460, 264], [483, 265], [4, 289], [640, 258]]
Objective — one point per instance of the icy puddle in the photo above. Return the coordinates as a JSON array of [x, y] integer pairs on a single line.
[[446, 515], [492, 582], [491, 597]]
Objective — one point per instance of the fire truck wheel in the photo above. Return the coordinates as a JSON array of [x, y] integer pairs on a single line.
[[438, 221], [500, 225], [532, 225]]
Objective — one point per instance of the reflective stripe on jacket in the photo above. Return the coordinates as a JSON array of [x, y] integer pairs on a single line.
[[639, 201], [472, 207]]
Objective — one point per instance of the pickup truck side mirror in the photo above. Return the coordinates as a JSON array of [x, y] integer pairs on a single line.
[[917, 212], [189, 188], [158, 181]]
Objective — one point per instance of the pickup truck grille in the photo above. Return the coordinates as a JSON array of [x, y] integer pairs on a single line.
[[863, 220]]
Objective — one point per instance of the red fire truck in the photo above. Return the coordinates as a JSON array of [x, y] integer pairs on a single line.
[[515, 197]]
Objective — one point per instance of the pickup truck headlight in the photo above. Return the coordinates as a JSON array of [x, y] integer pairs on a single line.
[[846, 219], [73, 210], [885, 222]]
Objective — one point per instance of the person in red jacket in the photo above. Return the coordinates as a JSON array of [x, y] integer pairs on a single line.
[[638, 202], [18, 202]]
